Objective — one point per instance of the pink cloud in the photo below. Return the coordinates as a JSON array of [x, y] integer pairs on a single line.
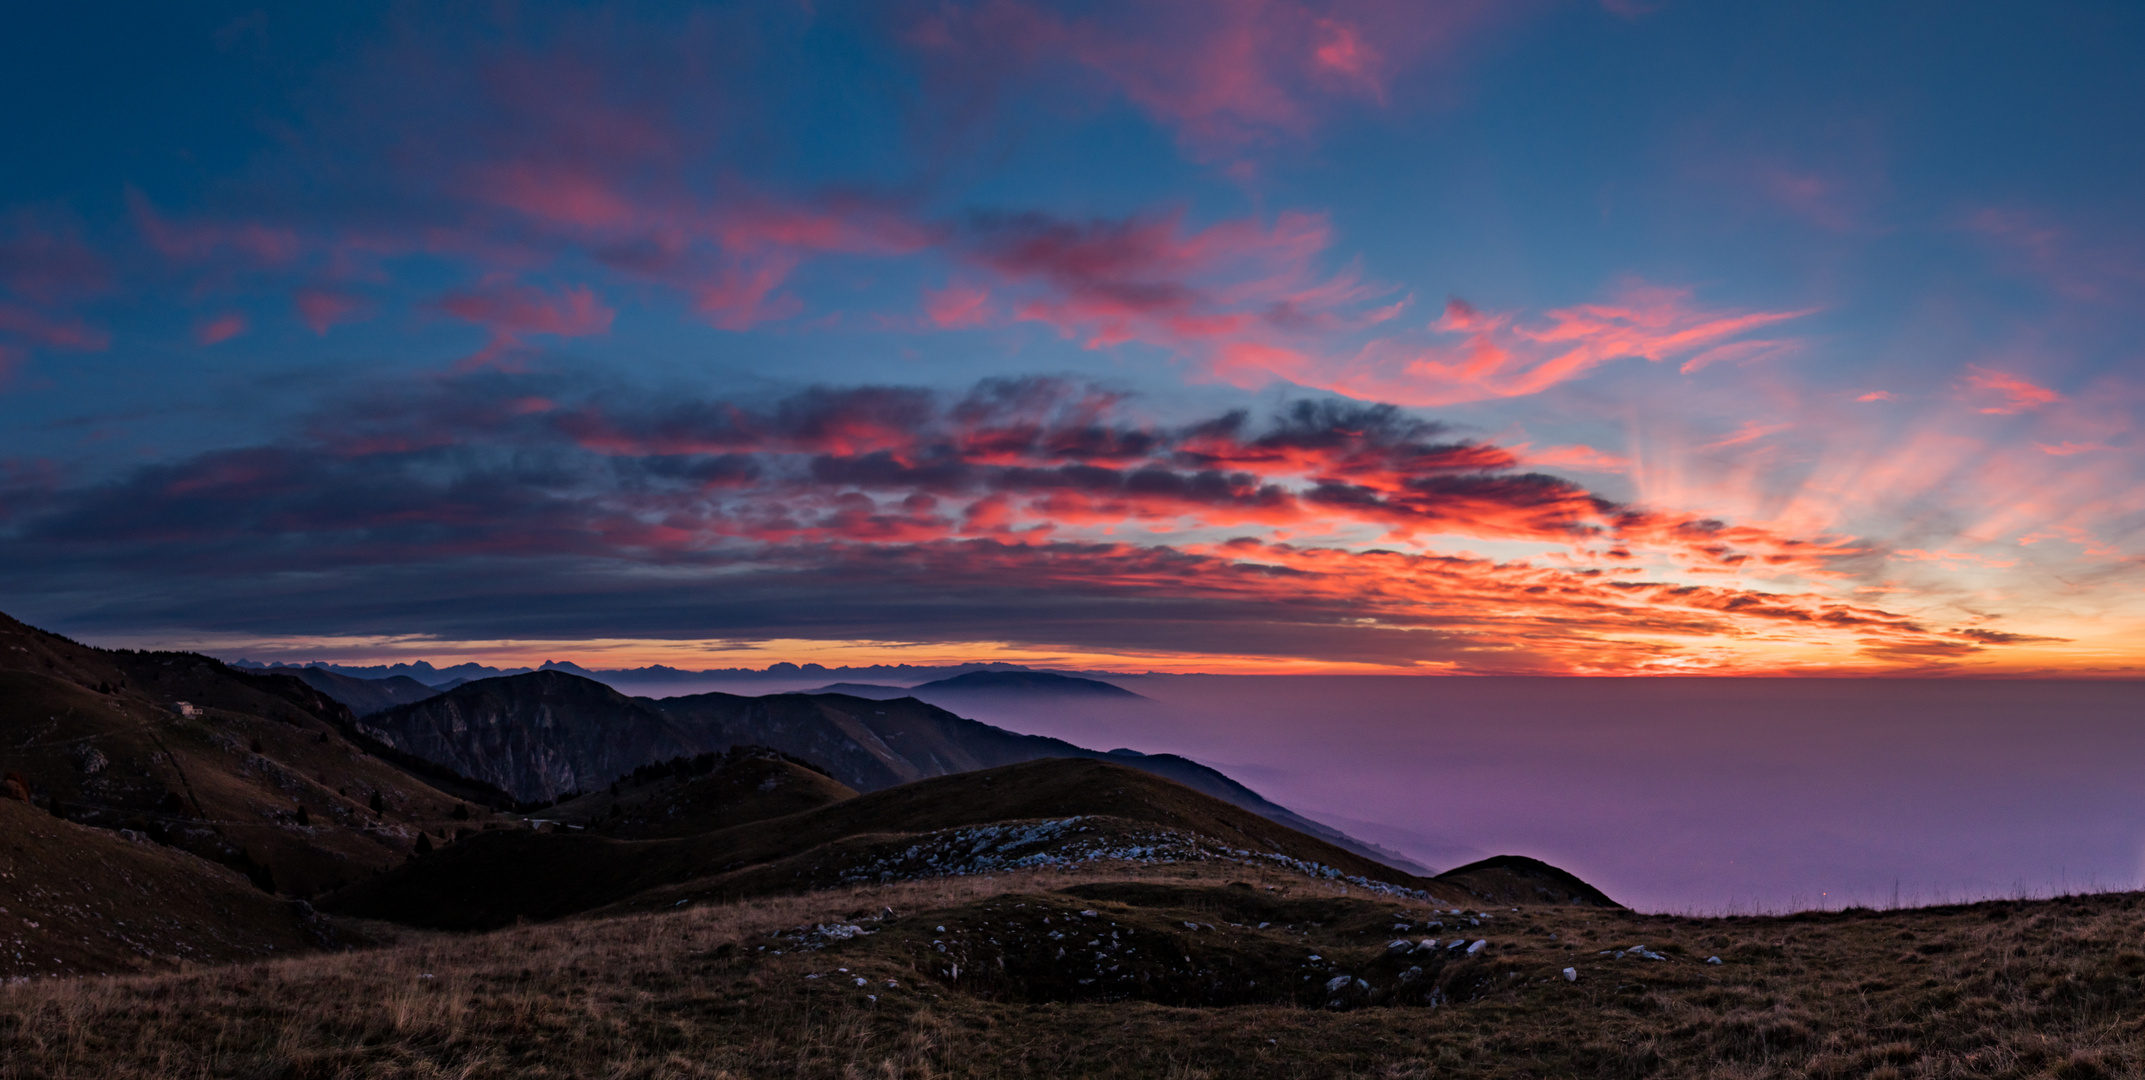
[[220, 329], [194, 241], [50, 330], [1740, 352], [45, 262], [1224, 74], [1501, 355], [1822, 200], [322, 308], [2018, 395], [2068, 448], [1151, 279], [1879, 395], [513, 310], [2099, 267], [957, 306], [1577, 456], [1750, 432]]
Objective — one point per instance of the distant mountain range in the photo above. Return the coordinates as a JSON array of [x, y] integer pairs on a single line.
[[545, 735], [903, 674]]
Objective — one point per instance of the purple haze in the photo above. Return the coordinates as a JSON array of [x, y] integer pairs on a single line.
[[1681, 794]]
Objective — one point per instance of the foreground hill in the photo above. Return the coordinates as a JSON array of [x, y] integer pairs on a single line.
[[1042, 812], [75, 899], [260, 773], [1189, 970], [705, 794], [551, 734]]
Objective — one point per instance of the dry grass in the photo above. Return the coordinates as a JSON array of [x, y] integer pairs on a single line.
[[2017, 989]]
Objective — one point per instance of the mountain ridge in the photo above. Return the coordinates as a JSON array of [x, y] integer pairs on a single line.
[[865, 743]]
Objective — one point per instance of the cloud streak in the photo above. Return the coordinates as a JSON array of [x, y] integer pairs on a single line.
[[1044, 489]]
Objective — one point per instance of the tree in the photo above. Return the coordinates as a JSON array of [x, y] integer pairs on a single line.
[[304, 818], [461, 811], [424, 843], [379, 805]]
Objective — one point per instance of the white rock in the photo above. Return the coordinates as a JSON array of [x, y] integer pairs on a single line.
[[1476, 947], [1712, 959], [1427, 945], [1338, 983], [1571, 974], [1399, 945]]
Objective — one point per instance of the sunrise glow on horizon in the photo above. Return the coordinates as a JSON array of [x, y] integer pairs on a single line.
[[1302, 336]]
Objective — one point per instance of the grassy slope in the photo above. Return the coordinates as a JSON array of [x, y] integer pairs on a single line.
[[75, 899], [106, 734], [744, 789], [493, 879], [2036, 989]]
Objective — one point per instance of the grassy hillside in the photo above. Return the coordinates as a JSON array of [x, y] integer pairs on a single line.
[[75, 899], [861, 982], [493, 879], [219, 763], [745, 785]]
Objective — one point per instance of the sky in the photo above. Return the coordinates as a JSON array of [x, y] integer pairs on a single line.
[[1242, 336]]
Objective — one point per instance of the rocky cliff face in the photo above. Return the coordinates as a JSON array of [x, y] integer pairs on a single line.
[[537, 736]]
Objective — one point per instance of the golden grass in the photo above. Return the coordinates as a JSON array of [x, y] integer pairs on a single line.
[[2011, 989]]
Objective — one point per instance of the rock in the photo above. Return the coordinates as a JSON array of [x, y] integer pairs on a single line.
[[1429, 944], [1457, 943], [1476, 947], [1712, 959], [1571, 974], [1398, 946], [1410, 975], [1338, 983]]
